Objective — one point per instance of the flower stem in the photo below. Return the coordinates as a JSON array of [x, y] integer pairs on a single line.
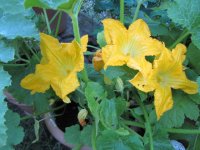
[[47, 21], [91, 46], [78, 39], [122, 11], [148, 125], [14, 65], [184, 34], [137, 10], [133, 123]]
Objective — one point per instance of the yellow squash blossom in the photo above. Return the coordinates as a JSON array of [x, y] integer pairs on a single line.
[[128, 46], [58, 67], [98, 61], [167, 73]]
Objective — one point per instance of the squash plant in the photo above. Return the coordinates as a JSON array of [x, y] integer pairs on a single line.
[[141, 91]]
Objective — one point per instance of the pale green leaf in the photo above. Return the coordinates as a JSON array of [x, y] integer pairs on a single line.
[[6, 53], [16, 25], [15, 133], [5, 81], [69, 6]]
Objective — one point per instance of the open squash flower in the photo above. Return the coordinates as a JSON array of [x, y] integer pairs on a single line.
[[58, 67], [98, 61], [128, 46], [167, 73]]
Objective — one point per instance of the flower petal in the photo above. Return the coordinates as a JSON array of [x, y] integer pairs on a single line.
[[64, 86], [84, 42], [162, 100], [114, 31], [112, 57], [178, 53], [139, 27], [35, 83], [142, 83], [180, 81]]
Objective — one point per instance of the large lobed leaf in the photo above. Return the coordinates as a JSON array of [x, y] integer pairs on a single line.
[[14, 22], [183, 104], [5, 81], [186, 13], [69, 6], [6, 53], [14, 132]]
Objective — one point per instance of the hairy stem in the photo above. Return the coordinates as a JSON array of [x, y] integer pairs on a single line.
[[148, 125], [122, 11], [184, 34], [137, 10], [47, 21], [78, 39]]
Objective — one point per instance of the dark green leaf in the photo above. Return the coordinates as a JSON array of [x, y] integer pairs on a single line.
[[182, 107], [193, 55], [186, 13], [75, 136], [110, 140]]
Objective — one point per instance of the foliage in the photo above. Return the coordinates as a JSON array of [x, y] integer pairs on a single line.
[[145, 92]]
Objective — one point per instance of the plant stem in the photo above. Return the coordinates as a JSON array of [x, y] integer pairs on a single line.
[[184, 34], [76, 28], [78, 39], [14, 65], [148, 125], [39, 114], [91, 46], [36, 56], [94, 138], [47, 21], [137, 10], [184, 131], [58, 23], [132, 123], [122, 11]]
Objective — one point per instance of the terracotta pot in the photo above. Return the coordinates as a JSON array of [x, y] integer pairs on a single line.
[[48, 119], [57, 133]]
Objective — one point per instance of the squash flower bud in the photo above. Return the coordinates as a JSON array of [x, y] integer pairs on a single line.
[[98, 61]]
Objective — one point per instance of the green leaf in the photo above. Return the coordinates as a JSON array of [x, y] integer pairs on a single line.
[[10, 25], [108, 113], [94, 90], [110, 140], [6, 53], [198, 81], [161, 141], [12, 6], [186, 13], [182, 107], [15, 133], [101, 39], [5, 81], [70, 6], [113, 72], [193, 54], [75, 136], [72, 134]]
